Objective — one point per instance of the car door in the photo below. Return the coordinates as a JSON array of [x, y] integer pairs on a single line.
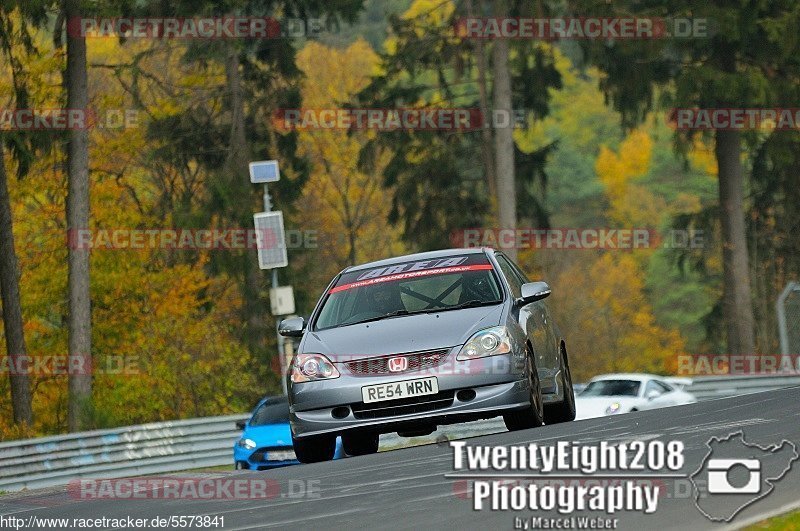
[[553, 340], [658, 394], [551, 353], [533, 321]]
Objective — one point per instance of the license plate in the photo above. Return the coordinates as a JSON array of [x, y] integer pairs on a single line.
[[398, 390], [281, 455]]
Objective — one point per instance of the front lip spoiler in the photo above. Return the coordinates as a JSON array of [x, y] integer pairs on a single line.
[[452, 415], [399, 423]]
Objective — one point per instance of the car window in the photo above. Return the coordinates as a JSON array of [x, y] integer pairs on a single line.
[[665, 388], [518, 270], [416, 286], [511, 276], [653, 385], [612, 388], [271, 413]]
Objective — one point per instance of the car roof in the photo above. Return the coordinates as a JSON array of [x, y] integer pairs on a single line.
[[430, 255], [639, 376]]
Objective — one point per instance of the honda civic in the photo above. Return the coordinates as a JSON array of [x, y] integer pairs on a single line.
[[410, 343]]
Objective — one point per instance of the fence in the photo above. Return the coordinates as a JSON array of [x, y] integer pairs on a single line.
[[163, 447]]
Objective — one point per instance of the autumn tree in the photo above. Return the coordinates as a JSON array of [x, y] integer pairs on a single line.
[[16, 43], [439, 177], [344, 201], [739, 64]]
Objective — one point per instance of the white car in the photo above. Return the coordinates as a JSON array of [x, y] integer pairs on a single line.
[[612, 394]]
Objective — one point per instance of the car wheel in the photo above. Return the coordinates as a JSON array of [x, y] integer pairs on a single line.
[[314, 449], [563, 411], [360, 443], [531, 416]]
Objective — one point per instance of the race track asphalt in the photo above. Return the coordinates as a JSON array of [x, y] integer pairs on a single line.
[[411, 488]]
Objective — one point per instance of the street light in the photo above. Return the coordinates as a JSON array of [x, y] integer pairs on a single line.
[[271, 245]]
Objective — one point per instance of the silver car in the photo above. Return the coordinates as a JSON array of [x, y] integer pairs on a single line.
[[406, 344]]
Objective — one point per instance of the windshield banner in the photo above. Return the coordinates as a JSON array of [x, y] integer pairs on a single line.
[[397, 272]]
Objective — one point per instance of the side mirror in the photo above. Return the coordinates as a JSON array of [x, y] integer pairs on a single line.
[[240, 424], [534, 291], [652, 394], [292, 327]]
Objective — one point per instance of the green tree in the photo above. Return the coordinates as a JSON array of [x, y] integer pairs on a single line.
[[733, 67]]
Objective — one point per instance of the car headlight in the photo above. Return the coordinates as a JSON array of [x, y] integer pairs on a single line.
[[488, 342], [308, 367], [613, 408], [248, 444]]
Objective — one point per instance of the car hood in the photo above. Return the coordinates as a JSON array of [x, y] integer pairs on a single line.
[[408, 333], [595, 406], [269, 434]]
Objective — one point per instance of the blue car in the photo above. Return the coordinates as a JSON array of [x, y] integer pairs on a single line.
[[266, 440]]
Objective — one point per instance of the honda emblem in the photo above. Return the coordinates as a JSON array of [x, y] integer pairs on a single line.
[[398, 364]]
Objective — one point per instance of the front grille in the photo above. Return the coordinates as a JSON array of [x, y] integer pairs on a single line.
[[416, 361], [403, 406], [259, 456]]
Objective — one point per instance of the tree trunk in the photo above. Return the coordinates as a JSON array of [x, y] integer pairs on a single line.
[[239, 206], [486, 130], [737, 305], [12, 309], [80, 329], [503, 136]]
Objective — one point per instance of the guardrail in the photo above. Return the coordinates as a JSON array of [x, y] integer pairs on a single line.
[[162, 447], [709, 387], [154, 448]]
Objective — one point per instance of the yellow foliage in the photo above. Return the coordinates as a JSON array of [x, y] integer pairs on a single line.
[[425, 14], [631, 204], [349, 206], [172, 325], [604, 313], [702, 157]]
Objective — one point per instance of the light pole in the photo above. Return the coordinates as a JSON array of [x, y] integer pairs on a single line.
[[272, 251]]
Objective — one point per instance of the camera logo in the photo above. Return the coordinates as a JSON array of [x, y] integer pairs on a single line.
[[735, 474], [718, 482]]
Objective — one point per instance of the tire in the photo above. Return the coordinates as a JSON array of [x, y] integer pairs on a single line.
[[531, 416], [563, 411], [314, 449], [360, 443]]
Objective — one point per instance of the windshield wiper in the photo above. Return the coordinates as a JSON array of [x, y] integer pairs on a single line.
[[379, 317], [473, 303]]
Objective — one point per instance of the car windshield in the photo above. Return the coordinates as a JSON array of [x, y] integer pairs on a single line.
[[411, 287], [271, 413], [612, 388]]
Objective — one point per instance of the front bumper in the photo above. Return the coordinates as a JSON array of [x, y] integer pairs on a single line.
[[258, 458], [468, 390]]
